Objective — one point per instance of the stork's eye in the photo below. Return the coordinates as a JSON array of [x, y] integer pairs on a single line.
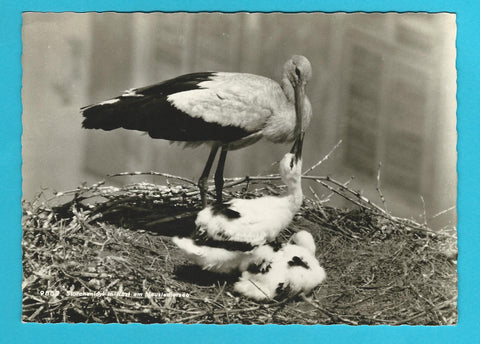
[[297, 71], [291, 163]]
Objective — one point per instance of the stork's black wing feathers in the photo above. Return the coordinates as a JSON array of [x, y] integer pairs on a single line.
[[225, 210], [147, 109], [201, 238], [181, 83]]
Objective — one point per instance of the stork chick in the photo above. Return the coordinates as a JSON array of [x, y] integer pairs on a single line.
[[228, 111], [278, 274], [226, 233]]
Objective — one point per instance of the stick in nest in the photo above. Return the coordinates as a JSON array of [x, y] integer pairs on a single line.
[[379, 189], [323, 159], [153, 173]]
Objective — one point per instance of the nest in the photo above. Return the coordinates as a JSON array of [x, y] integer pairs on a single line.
[[103, 254]]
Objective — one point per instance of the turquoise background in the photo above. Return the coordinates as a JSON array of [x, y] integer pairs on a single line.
[[467, 330]]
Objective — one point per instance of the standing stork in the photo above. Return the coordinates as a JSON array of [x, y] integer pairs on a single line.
[[225, 110]]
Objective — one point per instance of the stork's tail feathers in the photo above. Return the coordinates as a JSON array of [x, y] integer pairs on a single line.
[[122, 112], [98, 117]]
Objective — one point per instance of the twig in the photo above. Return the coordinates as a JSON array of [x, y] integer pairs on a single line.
[[152, 173], [261, 290], [324, 158], [379, 190], [329, 196], [443, 212], [222, 288], [314, 194], [269, 167], [321, 182], [424, 211], [319, 203], [333, 316], [240, 180], [373, 207], [354, 193], [172, 218], [220, 293], [36, 313]]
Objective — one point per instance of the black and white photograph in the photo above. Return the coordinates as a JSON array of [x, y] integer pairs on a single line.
[[239, 168]]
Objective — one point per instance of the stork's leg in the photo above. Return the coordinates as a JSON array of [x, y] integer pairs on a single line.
[[202, 182], [219, 174]]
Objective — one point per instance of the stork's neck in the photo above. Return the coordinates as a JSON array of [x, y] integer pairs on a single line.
[[288, 89], [295, 195]]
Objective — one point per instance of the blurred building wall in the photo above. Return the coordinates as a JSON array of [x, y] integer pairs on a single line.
[[56, 73], [383, 83]]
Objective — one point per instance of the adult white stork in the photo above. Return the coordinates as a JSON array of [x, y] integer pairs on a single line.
[[291, 270], [227, 233], [225, 110]]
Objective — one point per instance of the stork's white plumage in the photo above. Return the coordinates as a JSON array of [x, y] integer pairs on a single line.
[[277, 274], [222, 259], [227, 233], [226, 110]]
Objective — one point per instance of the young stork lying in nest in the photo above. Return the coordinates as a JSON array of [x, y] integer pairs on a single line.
[[289, 271], [226, 233]]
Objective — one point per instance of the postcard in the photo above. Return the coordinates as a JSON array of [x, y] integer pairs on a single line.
[[239, 168]]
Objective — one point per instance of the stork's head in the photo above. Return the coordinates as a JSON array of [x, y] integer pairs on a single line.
[[291, 163], [298, 70], [305, 240]]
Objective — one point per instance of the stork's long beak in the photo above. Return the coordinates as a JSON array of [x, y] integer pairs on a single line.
[[297, 147], [299, 107]]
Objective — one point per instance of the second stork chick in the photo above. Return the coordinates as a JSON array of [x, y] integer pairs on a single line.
[[291, 270], [226, 233]]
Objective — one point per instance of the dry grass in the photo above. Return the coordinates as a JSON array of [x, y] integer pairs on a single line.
[[113, 245]]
